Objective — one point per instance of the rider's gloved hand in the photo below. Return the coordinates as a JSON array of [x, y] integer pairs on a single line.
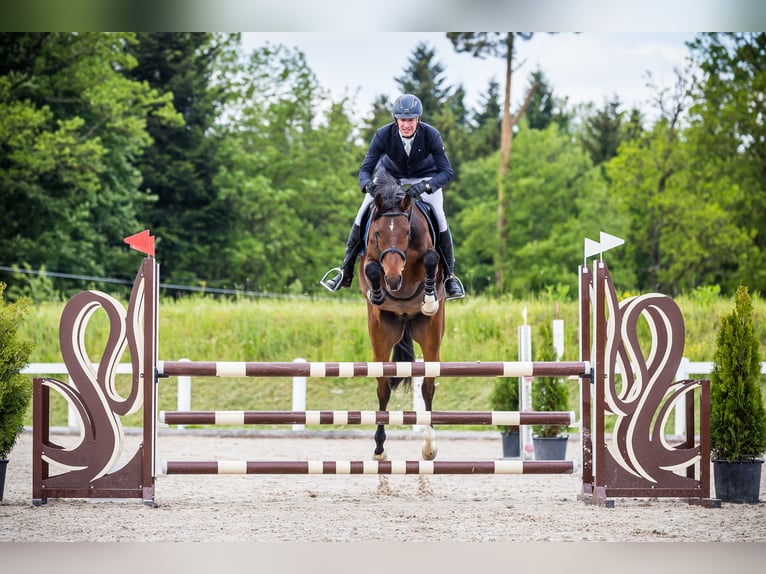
[[419, 188]]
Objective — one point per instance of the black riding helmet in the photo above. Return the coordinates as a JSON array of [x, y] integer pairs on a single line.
[[407, 106]]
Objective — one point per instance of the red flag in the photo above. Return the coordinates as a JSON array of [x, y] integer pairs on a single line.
[[142, 242]]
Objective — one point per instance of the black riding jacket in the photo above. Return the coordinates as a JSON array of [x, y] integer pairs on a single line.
[[427, 156]]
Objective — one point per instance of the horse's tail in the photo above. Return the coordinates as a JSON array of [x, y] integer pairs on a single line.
[[403, 352]]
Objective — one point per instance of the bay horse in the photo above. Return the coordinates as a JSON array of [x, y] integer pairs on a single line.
[[400, 275]]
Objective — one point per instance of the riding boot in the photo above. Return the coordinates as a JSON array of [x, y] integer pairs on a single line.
[[452, 285], [345, 273]]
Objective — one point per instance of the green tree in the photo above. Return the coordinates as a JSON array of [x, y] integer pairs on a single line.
[[673, 196], [188, 218], [72, 128], [603, 132], [558, 198], [497, 44], [485, 133], [727, 128], [290, 185], [424, 77], [379, 116], [544, 107], [443, 105], [737, 417]]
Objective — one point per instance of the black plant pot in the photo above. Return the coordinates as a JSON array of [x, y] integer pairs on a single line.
[[511, 444], [737, 481], [550, 448], [3, 467]]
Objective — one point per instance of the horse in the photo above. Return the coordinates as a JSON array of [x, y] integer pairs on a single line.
[[400, 275]]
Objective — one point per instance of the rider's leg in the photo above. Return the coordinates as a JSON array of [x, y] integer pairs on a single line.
[[452, 285], [345, 273]]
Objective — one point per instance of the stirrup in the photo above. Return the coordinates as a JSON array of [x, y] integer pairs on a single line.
[[447, 297], [323, 281]]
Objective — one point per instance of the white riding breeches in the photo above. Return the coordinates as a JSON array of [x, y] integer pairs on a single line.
[[435, 199]]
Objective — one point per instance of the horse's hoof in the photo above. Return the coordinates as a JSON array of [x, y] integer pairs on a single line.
[[429, 444], [429, 454], [382, 456]]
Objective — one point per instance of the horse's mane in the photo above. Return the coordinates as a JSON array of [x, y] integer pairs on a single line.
[[387, 189]]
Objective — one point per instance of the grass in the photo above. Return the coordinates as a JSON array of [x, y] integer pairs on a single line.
[[207, 329]]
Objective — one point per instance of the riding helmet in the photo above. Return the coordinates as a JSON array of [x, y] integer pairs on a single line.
[[407, 106]]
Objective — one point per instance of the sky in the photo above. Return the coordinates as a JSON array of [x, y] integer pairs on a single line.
[[585, 67]]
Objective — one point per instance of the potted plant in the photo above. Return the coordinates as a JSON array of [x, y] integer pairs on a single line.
[[505, 397], [737, 417], [549, 394], [15, 390]]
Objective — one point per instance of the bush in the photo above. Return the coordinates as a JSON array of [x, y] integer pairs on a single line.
[[505, 397], [548, 393], [15, 390], [737, 417]]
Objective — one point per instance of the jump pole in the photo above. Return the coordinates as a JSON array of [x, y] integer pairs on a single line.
[[494, 418], [422, 467], [374, 369]]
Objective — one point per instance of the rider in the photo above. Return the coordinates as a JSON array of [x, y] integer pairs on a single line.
[[413, 152]]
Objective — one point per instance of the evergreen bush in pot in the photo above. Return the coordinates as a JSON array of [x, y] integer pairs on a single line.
[[505, 397], [15, 390], [549, 394], [737, 414]]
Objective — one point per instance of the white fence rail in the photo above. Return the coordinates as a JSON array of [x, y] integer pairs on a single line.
[[685, 370]]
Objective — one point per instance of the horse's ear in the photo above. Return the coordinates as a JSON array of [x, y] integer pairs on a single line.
[[406, 201], [378, 202]]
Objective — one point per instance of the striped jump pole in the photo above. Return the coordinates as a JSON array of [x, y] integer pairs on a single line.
[[369, 467], [495, 418], [374, 369]]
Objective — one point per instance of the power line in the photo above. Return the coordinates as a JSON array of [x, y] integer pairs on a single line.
[[171, 286]]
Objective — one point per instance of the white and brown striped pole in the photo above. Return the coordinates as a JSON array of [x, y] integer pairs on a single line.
[[369, 467], [374, 369], [494, 418]]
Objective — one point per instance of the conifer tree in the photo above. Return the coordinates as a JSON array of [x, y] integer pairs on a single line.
[[737, 417]]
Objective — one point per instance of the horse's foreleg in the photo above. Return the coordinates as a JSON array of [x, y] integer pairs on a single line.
[[430, 304], [429, 335], [374, 275]]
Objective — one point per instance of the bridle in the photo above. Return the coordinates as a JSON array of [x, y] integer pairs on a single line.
[[394, 249]]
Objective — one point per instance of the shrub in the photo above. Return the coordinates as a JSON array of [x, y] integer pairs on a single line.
[[548, 393], [15, 390], [505, 397], [737, 418]]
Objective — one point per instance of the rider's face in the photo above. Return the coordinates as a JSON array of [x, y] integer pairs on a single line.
[[408, 126]]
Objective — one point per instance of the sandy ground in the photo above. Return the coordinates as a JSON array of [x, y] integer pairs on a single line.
[[481, 508]]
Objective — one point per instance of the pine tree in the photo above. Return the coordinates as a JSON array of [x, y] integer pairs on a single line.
[[737, 417]]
